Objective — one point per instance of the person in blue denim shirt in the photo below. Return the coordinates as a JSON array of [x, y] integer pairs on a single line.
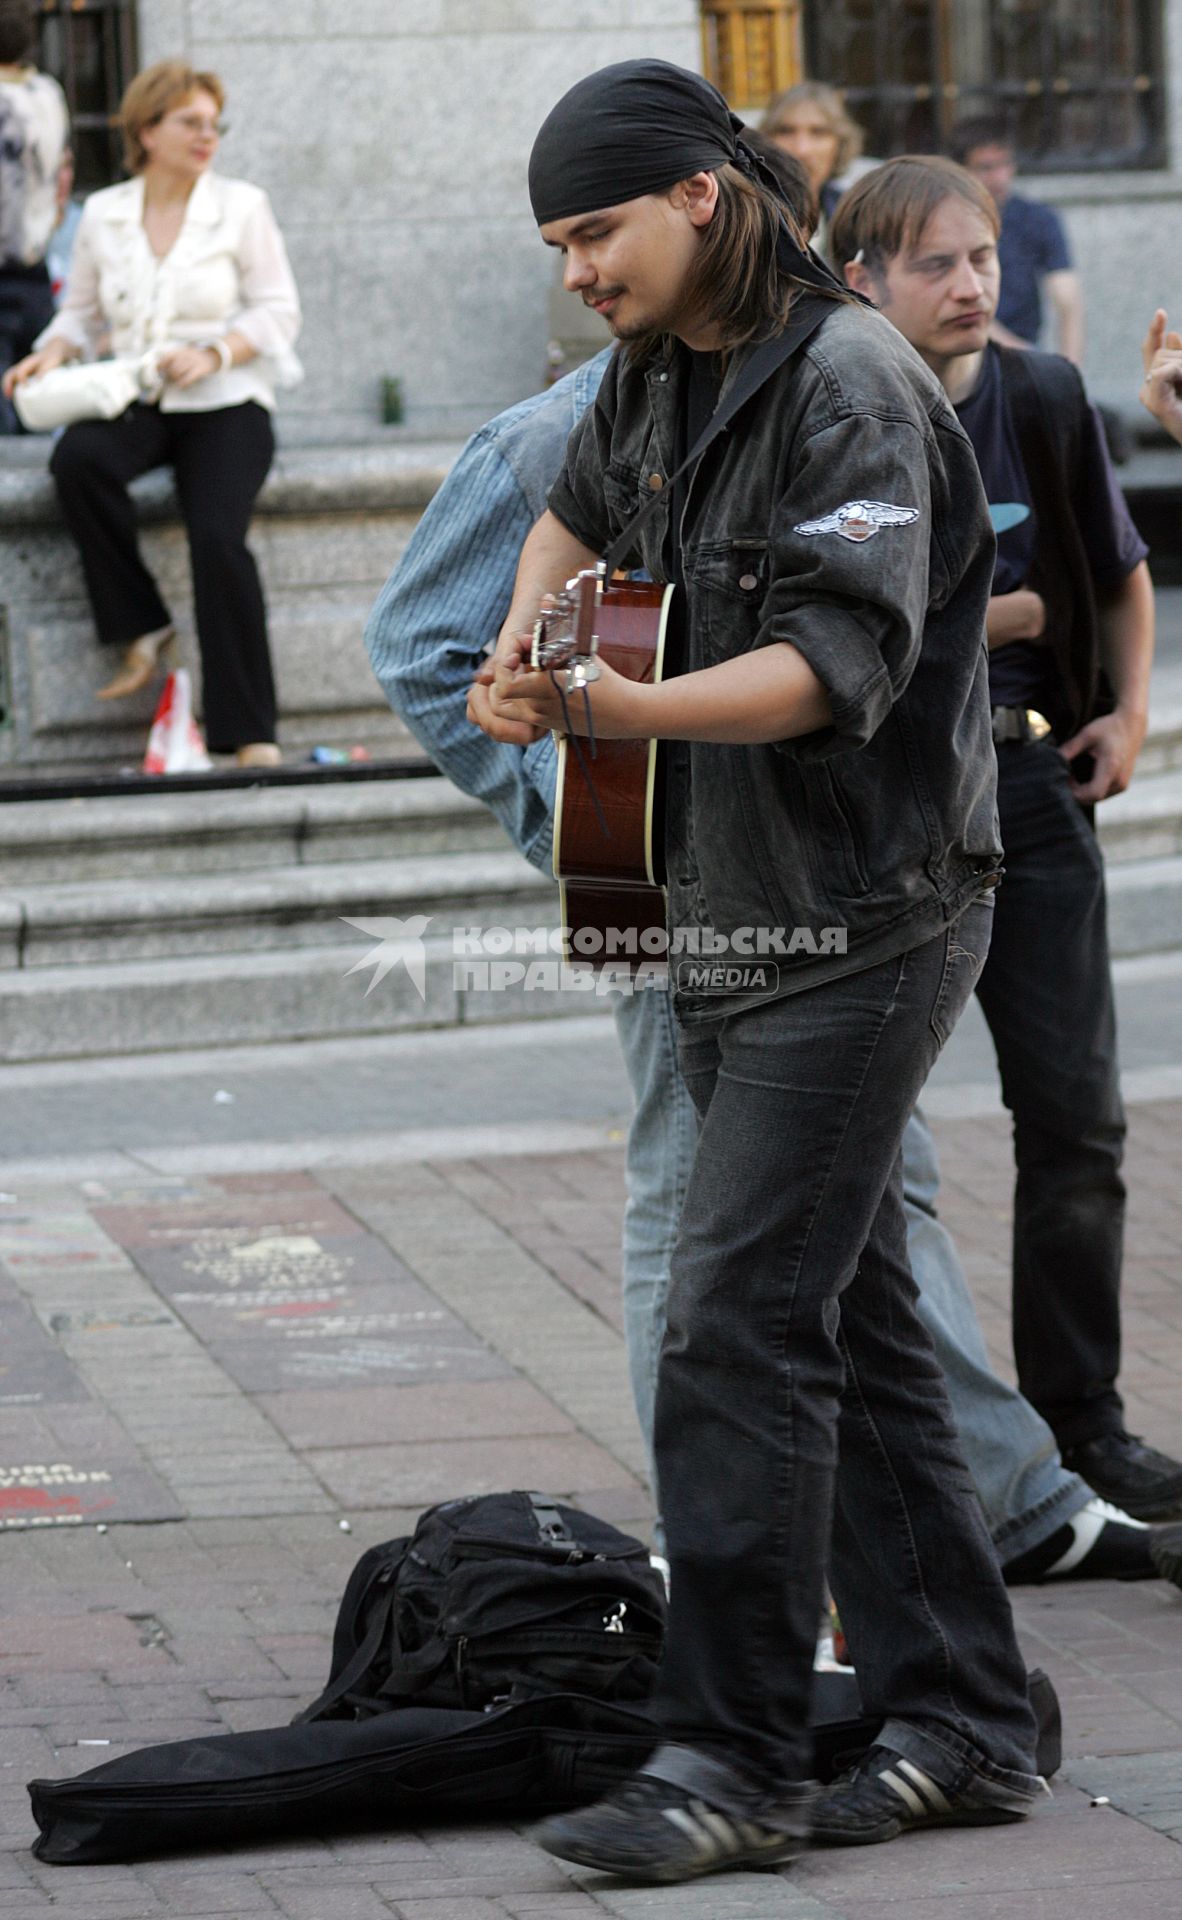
[[443, 603]]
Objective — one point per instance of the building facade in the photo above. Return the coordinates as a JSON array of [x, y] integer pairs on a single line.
[[393, 135]]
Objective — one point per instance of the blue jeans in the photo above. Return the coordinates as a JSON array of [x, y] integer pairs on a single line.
[[802, 1417], [1025, 1489], [661, 1143]]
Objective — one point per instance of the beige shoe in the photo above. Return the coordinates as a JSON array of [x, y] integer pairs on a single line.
[[140, 662], [259, 753]]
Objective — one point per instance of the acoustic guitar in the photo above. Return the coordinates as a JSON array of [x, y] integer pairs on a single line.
[[609, 821]]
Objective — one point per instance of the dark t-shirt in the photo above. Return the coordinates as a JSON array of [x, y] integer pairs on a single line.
[[1023, 674], [1032, 244], [699, 399]]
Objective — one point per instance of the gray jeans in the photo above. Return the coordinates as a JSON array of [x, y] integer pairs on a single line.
[[1023, 1486], [802, 1419]]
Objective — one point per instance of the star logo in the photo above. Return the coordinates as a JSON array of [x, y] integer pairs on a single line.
[[859, 520], [397, 940]]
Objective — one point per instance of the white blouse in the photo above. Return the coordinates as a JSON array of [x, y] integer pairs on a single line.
[[227, 271]]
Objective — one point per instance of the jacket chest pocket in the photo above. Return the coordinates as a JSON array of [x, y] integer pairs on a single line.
[[728, 586]]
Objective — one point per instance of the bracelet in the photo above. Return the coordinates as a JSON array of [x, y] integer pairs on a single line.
[[224, 351]]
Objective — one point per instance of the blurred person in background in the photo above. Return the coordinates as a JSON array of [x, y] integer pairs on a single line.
[[61, 240], [187, 272], [810, 122], [1032, 248], [34, 128], [1161, 391]]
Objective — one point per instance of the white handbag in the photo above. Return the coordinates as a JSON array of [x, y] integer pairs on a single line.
[[97, 390]]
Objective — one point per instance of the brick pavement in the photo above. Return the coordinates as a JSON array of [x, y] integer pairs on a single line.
[[237, 1365]]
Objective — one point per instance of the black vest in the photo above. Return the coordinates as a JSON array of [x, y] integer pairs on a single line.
[[1049, 409]]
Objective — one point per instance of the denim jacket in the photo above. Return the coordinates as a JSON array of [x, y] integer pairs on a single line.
[[842, 512], [450, 592]]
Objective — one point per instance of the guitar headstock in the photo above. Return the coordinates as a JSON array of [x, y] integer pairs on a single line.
[[564, 632]]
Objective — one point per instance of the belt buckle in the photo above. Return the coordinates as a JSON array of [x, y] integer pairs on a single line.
[[1037, 724]]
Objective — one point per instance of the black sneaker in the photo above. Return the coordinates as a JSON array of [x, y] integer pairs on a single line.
[[649, 1829], [884, 1795], [1121, 1468], [1165, 1550]]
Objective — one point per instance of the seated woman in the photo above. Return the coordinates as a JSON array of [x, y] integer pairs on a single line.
[[187, 267]]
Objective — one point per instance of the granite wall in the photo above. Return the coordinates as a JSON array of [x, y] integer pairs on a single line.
[[393, 137]]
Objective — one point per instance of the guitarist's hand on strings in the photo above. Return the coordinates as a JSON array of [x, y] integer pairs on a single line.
[[618, 706], [485, 712]]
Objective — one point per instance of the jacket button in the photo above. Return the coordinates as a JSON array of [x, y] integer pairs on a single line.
[[748, 581], [655, 482]]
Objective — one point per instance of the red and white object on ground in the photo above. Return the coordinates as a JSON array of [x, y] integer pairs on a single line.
[[175, 744]]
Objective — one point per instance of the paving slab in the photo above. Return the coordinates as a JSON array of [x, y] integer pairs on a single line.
[[197, 1321]]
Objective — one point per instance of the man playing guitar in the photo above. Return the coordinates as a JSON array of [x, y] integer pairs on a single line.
[[830, 765]]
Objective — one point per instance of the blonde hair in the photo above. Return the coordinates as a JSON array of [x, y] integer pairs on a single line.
[[155, 92], [827, 100]]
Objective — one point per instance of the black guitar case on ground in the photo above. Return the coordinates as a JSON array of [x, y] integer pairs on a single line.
[[407, 1767]]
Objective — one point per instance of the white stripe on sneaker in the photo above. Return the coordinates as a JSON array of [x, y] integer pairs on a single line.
[[711, 1833], [910, 1799], [702, 1843], [717, 1823], [926, 1785]]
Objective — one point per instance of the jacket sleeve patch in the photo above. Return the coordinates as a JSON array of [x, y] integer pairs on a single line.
[[859, 520]]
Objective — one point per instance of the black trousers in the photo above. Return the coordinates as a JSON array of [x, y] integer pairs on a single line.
[[1046, 992], [220, 459], [26, 305]]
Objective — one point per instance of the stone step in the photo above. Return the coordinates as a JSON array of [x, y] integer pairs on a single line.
[[171, 834], [1144, 823], [123, 989], [1145, 906], [1163, 743], [216, 1000], [329, 525], [151, 917]]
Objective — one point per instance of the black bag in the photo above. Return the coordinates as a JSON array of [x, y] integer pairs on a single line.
[[403, 1768], [507, 1603], [397, 1769], [496, 1598]]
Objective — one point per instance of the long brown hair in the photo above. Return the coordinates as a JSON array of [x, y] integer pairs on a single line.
[[736, 282]]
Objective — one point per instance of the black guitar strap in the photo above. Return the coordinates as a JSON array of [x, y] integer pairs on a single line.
[[807, 315]]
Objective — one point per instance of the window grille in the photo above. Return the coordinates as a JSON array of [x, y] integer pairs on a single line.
[[89, 46], [1078, 83], [751, 49]]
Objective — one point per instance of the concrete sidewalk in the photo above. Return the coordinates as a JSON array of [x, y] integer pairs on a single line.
[[204, 1374]]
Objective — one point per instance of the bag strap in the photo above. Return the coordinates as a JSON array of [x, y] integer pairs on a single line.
[[348, 1677], [806, 316]]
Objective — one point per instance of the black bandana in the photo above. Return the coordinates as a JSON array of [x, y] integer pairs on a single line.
[[639, 127]]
